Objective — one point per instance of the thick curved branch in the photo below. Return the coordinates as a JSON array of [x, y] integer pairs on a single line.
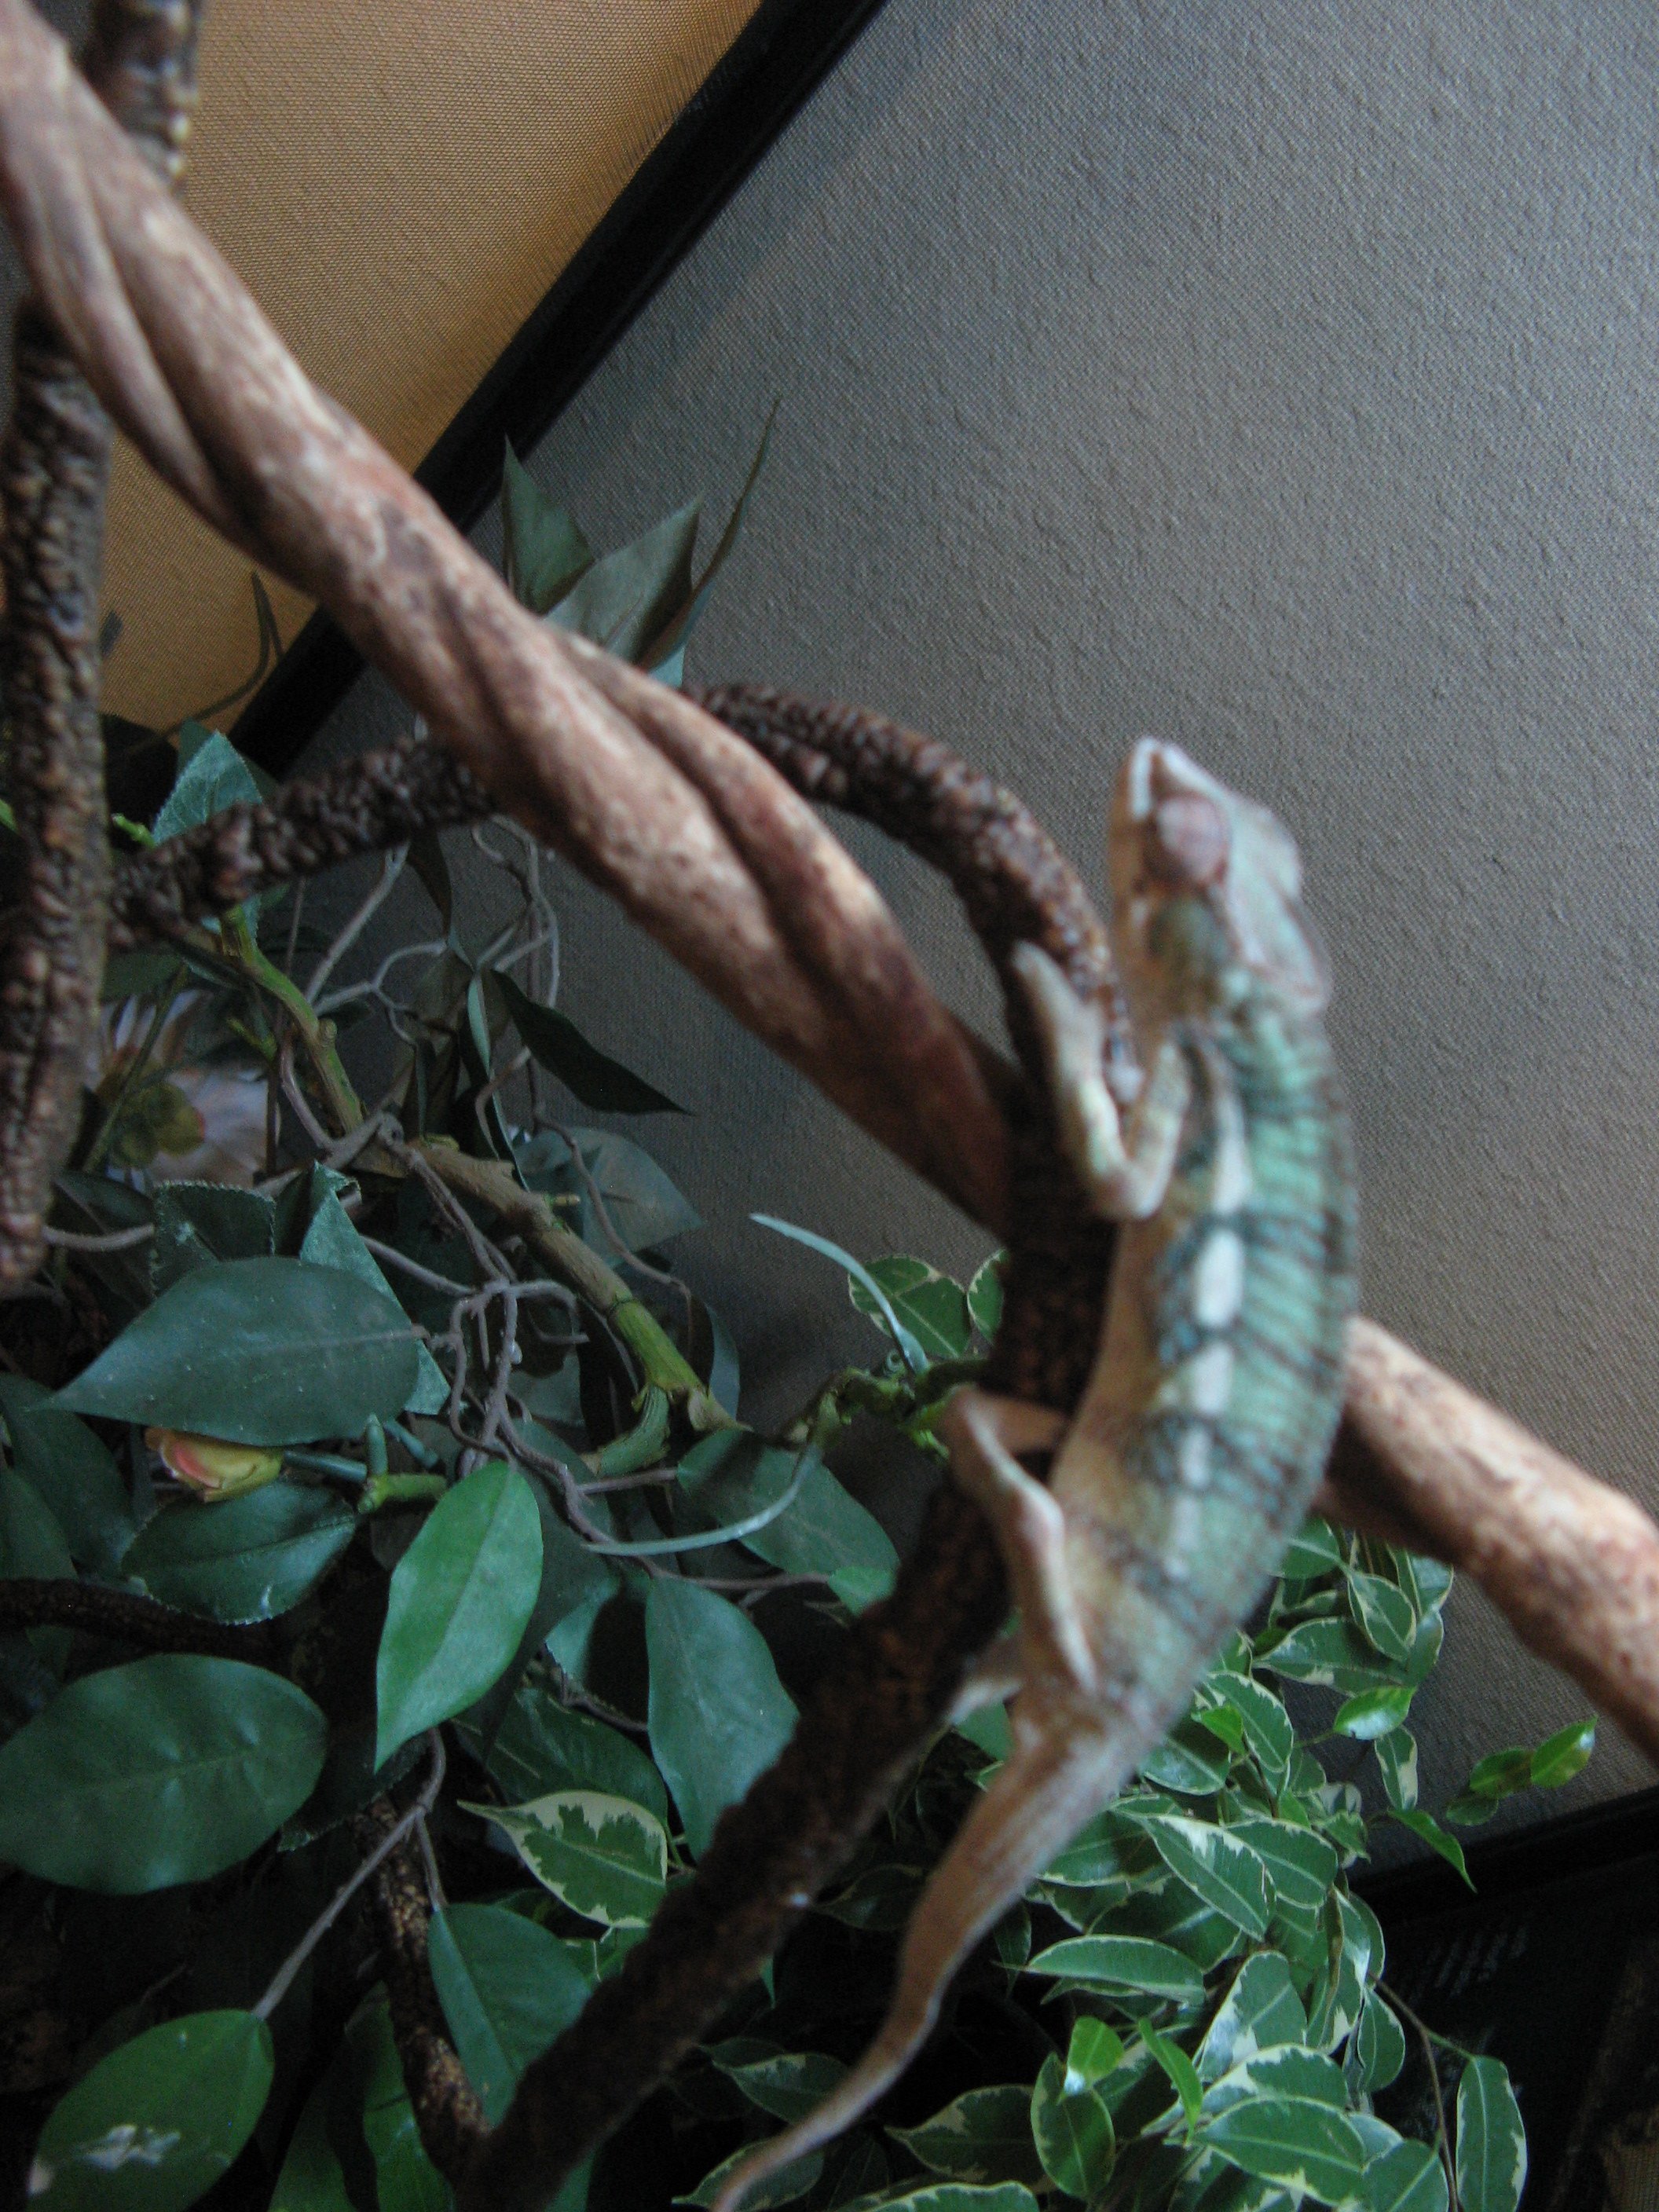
[[54, 471], [1572, 1564], [789, 933], [29, 1601]]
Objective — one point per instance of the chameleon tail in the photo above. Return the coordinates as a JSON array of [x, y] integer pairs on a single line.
[[1044, 1794]]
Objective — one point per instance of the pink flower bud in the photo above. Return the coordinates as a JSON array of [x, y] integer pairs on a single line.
[[212, 1468]]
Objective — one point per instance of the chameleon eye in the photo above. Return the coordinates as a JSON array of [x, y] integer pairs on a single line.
[[1189, 844]]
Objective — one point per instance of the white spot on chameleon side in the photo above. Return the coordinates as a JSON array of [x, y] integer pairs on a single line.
[[1219, 1279], [1193, 1459], [1205, 1380]]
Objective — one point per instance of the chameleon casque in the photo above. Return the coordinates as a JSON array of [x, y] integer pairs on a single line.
[[1216, 1390]]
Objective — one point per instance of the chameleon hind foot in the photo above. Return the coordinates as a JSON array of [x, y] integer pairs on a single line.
[[984, 1433]]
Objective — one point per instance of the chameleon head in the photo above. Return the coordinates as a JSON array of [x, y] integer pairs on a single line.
[[1206, 887]]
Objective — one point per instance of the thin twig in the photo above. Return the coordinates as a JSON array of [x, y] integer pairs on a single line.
[[282, 1980], [118, 1239], [391, 866]]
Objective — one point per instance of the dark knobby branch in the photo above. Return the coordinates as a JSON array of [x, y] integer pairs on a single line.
[[27, 1601], [53, 473]]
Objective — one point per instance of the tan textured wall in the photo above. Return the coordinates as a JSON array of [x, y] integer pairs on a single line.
[[398, 185]]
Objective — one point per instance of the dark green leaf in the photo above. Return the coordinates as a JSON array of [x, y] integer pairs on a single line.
[[932, 1306], [508, 1989], [31, 1541], [246, 1558], [257, 1352], [1396, 1760], [1500, 1774], [1407, 2177], [460, 1596], [1188, 1759], [787, 2084], [984, 2136], [603, 1856], [152, 2126], [667, 648], [717, 1713], [626, 600], [1425, 1825], [641, 1203], [215, 776], [1123, 1962], [1261, 2009], [201, 1221], [1292, 2141], [591, 1075], [1491, 2143], [545, 552], [1288, 2071], [961, 2196], [1312, 1552], [985, 1295], [312, 2179], [404, 2179], [732, 1475], [1561, 1756], [1379, 2050], [1218, 1864], [1372, 1713], [1178, 2068], [1073, 2133], [331, 1241], [166, 1770], [1328, 1654], [785, 2187], [67, 1467], [542, 1748]]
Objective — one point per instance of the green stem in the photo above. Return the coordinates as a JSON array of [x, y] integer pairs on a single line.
[[642, 1445], [399, 1489], [99, 1151]]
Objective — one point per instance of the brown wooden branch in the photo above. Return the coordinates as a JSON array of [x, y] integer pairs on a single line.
[[53, 473], [30, 1602], [1571, 1564], [794, 940]]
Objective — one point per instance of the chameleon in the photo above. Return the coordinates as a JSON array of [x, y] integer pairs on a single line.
[[1204, 1428]]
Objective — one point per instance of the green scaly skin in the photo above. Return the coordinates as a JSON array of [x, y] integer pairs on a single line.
[[1205, 1428]]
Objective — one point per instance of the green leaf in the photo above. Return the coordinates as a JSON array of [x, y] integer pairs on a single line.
[[216, 776], [718, 1714], [1261, 2009], [732, 1474], [1425, 1581], [603, 1856], [666, 651], [1407, 2177], [248, 1558], [1266, 1725], [1561, 1756], [641, 1203], [1181, 2073], [1396, 1760], [1385, 1614], [1314, 1550], [1373, 1712], [910, 1348], [545, 553], [1073, 2133], [784, 2187], [542, 1748], [312, 2179], [1093, 2052], [788, 2084], [1216, 1863], [1301, 1865], [1293, 2141], [1187, 1759], [626, 600], [256, 1352], [1379, 2050], [956, 2196], [931, 1306], [1491, 2143], [331, 1241], [556, 1044], [166, 1770], [198, 1222], [1123, 1962], [984, 2136], [985, 1295], [459, 1598], [31, 1541], [405, 2178], [1288, 2071], [71, 1471], [154, 2125], [1425, 1825], [1327, 1654], [508, 1989]]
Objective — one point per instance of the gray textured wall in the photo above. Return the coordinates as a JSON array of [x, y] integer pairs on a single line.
[[1282, 380]]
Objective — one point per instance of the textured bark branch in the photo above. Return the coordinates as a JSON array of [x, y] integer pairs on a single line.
[[794, 939], [27, 1601], [1571, 1564], [54, 469]]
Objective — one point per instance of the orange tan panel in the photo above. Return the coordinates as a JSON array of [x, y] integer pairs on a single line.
[[398, 182]]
